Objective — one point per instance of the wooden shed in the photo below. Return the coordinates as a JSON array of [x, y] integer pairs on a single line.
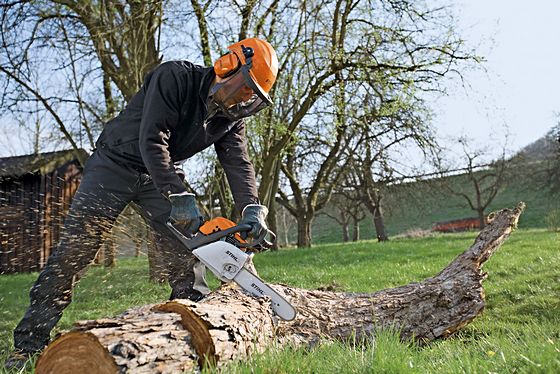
[[35, 194]]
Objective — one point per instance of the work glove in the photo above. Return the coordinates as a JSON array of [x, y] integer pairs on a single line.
[[254, 215], [184, 213]]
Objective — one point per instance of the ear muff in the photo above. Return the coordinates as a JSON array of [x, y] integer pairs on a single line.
[[226, 65]]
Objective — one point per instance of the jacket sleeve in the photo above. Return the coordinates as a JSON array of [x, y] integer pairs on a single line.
[[164, 93], [234, 158]]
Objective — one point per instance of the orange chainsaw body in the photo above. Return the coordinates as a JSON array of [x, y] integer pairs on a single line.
[[220, 224]]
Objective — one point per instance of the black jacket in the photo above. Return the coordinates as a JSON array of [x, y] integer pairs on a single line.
[[164, 124]]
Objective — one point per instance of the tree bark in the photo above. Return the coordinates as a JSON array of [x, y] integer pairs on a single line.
[[356, 233], [109, 249], [481, 218], [304, 231], [379, 224], [156, 262], [273, 223], [346, 232], [182, 335]]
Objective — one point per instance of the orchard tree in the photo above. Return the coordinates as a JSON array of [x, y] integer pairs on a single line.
[[327, 48], [59, 57], [482, 179]]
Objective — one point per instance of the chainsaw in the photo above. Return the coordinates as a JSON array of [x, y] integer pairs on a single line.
[[220, 247]]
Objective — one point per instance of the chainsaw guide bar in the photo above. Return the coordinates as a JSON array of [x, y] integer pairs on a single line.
[[228, 262]]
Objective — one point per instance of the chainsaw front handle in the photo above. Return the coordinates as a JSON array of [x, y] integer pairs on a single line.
[[261, 241]]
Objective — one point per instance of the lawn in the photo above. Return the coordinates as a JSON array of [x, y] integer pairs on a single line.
[[519, 330]]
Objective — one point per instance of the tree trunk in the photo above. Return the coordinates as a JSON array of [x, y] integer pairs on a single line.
[[345, 232], [270, 201], [227, 209], [304, 231], [156, 262], [273, 223], [109, 251], [285, 227], [481, 218], [110, 105], [181, 335], [379, 224], [137, 246], [356, 233]]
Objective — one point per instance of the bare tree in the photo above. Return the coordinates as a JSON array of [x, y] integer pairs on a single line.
[[88, 45], [482, 179], [102, 51], [388, 58], [322, 159], [346, 209], [246, 19], [371, 195], [124, 36], [64, 58]]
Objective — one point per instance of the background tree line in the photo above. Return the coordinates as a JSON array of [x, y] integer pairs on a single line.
[[349, 102]]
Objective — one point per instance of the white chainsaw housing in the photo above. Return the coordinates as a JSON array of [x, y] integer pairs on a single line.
[[227, 262], [223, 259]]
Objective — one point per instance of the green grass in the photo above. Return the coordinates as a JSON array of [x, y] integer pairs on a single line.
[[519, 330]]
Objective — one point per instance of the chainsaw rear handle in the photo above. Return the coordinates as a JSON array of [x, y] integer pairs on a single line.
[[194, 242]]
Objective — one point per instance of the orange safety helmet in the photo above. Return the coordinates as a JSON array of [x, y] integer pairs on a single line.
[[248, 71], [265, 62]]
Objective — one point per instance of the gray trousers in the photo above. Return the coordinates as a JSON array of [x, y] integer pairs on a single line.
[[106, 189]]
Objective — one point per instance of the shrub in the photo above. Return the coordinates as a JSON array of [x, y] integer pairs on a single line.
[[552, 220]]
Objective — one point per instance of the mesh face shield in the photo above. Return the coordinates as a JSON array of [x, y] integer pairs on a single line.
[[239, 95]]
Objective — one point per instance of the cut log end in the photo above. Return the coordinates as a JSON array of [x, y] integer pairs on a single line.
[[73, 352], [199, 329], [142, 340]]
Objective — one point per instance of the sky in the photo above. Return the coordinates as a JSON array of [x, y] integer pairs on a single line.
[[520, 88]]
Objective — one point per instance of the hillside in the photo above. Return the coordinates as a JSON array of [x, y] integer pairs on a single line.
[[542, 148], [419, 205]]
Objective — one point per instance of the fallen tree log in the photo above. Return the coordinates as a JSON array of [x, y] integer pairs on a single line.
[[181, 335]]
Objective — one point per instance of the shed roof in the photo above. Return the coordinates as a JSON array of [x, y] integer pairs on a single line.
[[43, 163]]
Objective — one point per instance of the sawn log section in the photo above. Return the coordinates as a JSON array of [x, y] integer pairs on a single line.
[[181, 335]]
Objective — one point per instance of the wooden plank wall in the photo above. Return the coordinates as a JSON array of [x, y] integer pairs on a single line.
[[32, 210], [60, 187], [11, 225]]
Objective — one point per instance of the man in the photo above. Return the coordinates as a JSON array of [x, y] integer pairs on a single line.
[[180, 110]]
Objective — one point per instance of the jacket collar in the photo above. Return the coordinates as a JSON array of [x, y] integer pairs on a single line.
[[208, 76]]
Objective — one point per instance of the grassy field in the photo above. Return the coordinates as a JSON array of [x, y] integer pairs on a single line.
[[519, 330]]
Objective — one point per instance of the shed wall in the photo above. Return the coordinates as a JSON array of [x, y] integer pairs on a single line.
[[32, 210]]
